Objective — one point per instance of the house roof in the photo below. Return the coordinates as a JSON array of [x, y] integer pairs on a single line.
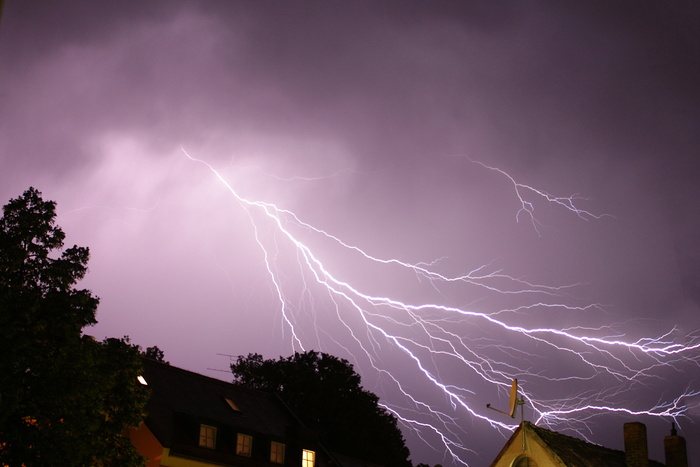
[[572, 452], [177, 391]]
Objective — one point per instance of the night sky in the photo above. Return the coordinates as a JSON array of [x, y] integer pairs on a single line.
[[388, 182]]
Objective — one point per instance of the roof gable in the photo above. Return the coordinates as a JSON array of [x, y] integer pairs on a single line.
[[525, 443]]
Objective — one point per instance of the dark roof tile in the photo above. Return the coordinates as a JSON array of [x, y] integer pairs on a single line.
[[576, 452]]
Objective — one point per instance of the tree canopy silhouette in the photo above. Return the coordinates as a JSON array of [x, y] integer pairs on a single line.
[[326, 393], [154, 353], [65, 399]]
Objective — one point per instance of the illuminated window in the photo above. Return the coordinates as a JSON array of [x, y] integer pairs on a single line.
[[308, 458], [207, 436], [244, 445], [277, 453], [525, 462]]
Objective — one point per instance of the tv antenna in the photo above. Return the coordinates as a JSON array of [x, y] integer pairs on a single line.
[[514, 403]]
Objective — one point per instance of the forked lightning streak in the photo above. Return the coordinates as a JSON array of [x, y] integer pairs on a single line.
[[449, 346]]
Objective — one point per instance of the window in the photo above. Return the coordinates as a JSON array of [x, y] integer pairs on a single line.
[[244, 445], [277, 453], [524, 462], [207, 436], [308, 458], [232, 404]]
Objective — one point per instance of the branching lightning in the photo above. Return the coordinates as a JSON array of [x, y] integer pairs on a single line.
[[460, 350]]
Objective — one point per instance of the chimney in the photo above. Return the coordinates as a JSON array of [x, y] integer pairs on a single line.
[[636, 452], [674, 448]]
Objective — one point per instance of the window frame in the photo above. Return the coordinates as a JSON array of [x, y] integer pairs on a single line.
[[308, 458], [207, 436], [524, 461], [242, 448], [232, 404], [277, 455]]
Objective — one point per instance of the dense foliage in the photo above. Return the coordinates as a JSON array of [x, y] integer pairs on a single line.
[[325, 392], [65, 399], [154, 353]]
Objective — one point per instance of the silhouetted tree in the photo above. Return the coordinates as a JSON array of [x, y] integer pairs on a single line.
[[65, 399], [154, 353], [325, 392]]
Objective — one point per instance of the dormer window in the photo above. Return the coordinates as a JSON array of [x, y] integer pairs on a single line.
[[276, 452], [232, 404], [308, 458], [244, 445], [207, 436]]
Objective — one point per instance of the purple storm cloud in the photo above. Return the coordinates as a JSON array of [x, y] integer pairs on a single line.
[[277, 176]]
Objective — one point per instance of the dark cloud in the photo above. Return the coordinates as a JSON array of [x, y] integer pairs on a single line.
[[364, 119]]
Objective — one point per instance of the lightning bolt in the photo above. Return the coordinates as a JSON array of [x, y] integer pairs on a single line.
[[445, 343]]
